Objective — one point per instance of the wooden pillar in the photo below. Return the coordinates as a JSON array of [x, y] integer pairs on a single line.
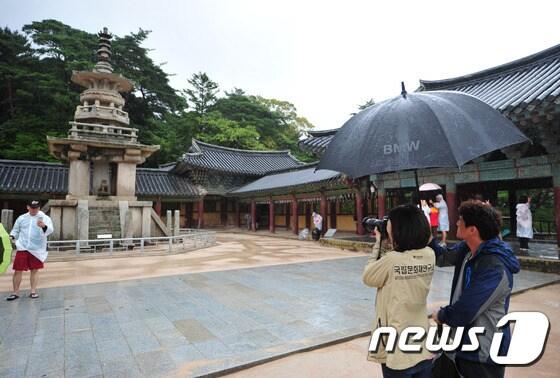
[[157, 207], [307, 215], [223, 211], [237, 215], [359, 212], [380, 202], [332, 213], [287, 212], [512, 203], [452, 208], [201, 213], [557, 213], [271, 217], [556, 185], [295, 217], [190, 214], [183, 210], [253, 216], [324, 212]]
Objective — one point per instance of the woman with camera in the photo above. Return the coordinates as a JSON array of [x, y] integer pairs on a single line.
[[402, 278]]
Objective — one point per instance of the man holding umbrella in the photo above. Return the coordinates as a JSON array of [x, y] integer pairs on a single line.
[[481, 287], [30, 234]]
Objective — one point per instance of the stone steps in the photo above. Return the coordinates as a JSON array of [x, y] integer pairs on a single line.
[[104, 220]]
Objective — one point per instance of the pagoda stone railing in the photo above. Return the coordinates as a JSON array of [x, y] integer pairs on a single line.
[[103, 132], [101, 112]]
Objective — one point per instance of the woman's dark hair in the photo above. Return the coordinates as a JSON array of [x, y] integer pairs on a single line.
[[484, 217], [478, 197], [523, 199], [410, 228]]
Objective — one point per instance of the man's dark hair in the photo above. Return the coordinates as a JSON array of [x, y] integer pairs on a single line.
[[523, 199], [484, 217], [410, 228]]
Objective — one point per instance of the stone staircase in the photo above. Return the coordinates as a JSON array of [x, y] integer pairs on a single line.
[[104, 220]]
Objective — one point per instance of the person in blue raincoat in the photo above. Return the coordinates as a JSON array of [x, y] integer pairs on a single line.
[[5, 249], [481, 288], [30, 234]]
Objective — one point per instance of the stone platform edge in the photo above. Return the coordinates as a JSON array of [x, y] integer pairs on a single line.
[[527, 262], [324, 344]]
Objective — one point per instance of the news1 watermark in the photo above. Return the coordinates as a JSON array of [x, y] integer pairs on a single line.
[[527, 343]]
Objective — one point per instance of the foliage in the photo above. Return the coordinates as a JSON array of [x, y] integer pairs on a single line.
[[38, 98], [228, 133], [202, 95]]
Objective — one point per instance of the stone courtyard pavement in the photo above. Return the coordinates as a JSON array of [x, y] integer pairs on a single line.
[[194, 324]]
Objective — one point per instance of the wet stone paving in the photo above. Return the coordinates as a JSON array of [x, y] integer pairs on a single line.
[[193, 324]]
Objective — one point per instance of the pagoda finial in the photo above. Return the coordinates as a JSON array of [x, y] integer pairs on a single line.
[[104, 52]]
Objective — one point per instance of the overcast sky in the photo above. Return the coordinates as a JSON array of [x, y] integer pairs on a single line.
[[324, 57]]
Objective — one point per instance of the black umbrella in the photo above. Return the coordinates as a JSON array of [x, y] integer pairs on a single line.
[[418, 130]]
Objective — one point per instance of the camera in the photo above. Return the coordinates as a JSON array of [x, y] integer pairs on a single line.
[[370, 223]]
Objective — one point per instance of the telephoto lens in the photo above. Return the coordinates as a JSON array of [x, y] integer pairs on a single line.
[[370, 223]]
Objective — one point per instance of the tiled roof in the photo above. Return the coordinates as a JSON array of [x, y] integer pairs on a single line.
[[230, 160], [21, 177], [524, 84], [155, 182], [288, 179], [33, 177], [317, 141]]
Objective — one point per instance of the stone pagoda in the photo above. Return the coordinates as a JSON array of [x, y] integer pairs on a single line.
[[102, 152]]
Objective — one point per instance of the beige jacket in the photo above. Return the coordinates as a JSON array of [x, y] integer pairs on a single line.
[[402, 280]]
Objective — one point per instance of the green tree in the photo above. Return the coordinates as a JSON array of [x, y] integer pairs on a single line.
[[276, 122], [173, 133], [39, 98], [202, 94], [228, 133]]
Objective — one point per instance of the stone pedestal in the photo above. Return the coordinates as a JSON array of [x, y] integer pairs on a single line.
[[126, 179], [7, 219], [176, 222], [79, 219], [78, 179]]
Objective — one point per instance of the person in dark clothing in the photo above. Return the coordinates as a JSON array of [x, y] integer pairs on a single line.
[[481, 287]]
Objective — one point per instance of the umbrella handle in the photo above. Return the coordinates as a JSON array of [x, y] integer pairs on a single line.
[[417, 187]]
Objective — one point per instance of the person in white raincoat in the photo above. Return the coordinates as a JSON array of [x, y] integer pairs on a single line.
[[524, 222], [30, 234], [318, 221], [443, 218]]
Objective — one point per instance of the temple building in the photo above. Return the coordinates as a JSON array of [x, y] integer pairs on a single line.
[[527, 91], [217, 187]]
